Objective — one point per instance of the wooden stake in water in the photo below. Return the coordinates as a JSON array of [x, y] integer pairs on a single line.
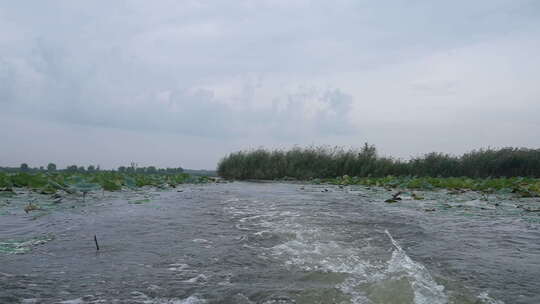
[[95, 240]]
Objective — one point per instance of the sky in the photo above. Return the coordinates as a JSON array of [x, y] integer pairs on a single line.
[[183, 83]]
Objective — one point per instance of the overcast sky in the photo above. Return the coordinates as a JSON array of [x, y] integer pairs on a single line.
[[171, 83]]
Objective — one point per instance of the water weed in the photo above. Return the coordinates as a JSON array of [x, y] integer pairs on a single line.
[[83, 183]]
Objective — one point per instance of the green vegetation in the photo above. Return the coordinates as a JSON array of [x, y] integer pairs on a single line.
[[132, 168], [201, 172], [39, 191], [482, 170], [524, 187], [51, 182], [322, 162]]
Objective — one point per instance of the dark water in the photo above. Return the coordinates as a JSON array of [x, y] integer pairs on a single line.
[[273, 243]]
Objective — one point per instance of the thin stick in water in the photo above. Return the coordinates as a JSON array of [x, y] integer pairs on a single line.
[[95, 240]]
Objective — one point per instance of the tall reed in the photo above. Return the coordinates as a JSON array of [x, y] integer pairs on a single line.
[[327, 162]]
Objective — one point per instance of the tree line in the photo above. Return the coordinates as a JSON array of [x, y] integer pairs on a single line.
[[329, 162], [132, 168]]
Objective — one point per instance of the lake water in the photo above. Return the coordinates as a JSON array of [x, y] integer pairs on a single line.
[[272, 243]]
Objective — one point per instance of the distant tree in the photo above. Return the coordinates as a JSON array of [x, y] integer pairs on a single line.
[[151, 170], [368, 151], [51, 167], [122, 169], [24, 167], [72, 168], [91, 169], [81, 169]]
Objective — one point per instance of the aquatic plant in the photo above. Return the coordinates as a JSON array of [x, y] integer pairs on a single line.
[[329, 162], [524, 187], [77, 182]]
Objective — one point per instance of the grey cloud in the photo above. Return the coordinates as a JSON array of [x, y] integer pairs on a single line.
[[268, 72], [435, 88], [6, 82], [191, 111]]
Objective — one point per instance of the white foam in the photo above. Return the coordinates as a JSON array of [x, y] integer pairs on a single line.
[[315, 250], [251, 218], [241, 227], [486, 298], [321, 256], [190, 300], [74, 301], [426, 290], [200, 278], [177, 267], [153, 287], [147, 300], [311, 247], [262, 233]]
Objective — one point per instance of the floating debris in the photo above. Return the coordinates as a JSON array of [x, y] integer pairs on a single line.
[[416, 196], [23, 246], [140, 201], [395, 198], [31, 207], [6, 189]]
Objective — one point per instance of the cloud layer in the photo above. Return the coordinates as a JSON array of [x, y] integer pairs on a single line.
[[410, 77]]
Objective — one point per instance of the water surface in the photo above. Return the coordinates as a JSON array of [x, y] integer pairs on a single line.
[[271, 243]]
